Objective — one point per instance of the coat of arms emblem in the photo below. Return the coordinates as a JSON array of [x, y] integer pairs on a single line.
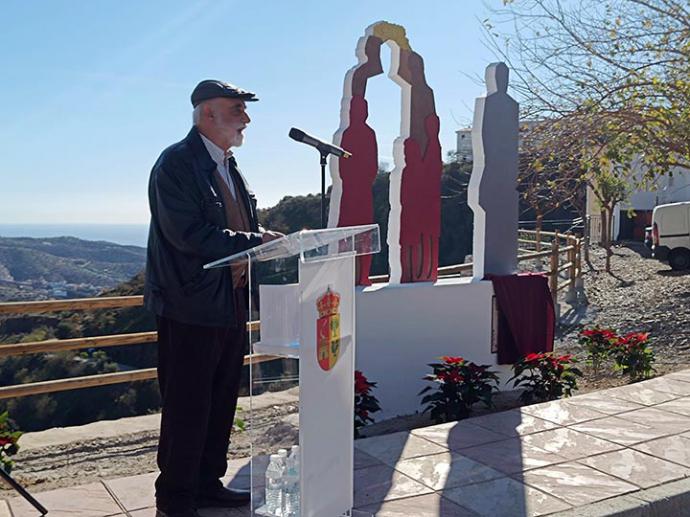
[[328, 329]]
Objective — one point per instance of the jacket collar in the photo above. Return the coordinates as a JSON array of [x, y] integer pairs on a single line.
[[199, 150]]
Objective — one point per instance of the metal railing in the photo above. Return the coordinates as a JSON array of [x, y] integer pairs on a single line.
[[534, 246]]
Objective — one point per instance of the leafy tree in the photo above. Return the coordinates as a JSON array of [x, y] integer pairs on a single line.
[[609, 83], [67, 329], [457, 219], [548, 181], [622, 64], [610, 189]]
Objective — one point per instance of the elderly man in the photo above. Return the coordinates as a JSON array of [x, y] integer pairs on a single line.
[[201, 210]]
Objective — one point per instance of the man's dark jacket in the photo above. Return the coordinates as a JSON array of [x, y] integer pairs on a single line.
[[189, 229]]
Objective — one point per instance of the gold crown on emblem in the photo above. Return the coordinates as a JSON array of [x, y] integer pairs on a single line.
[[328, 303]]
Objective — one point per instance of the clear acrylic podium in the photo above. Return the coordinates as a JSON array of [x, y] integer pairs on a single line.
[[301, 288]]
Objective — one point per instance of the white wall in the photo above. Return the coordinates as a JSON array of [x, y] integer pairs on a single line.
[[667, 189], [402, 328], [464, 138], [464, 144], [675, 188]]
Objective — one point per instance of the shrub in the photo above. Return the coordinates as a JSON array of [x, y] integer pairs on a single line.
[[633, 357], [545, 377], [365, 402], [239, 424], [9, 436], [459, 385], [597, 343]]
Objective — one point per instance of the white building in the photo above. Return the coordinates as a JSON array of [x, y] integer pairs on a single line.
[[464, 139], [631, 218]]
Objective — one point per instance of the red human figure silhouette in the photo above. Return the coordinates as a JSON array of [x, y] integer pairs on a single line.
[[352, 201], [420, 196], [358, 174], [420, 188]]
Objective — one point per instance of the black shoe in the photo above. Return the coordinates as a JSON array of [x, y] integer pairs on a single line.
[[223, 498], [177, 513]]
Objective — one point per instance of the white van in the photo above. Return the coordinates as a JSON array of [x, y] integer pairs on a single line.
[[671, 234]]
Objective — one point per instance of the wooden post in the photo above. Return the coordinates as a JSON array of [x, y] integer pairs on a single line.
[[588, 232], [553, 275], [538, 262], [571, 242], [579, 281]]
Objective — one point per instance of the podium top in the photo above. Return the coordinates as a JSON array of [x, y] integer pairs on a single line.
[[312, 246]]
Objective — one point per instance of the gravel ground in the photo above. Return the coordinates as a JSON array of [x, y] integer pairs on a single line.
[[642, 295]]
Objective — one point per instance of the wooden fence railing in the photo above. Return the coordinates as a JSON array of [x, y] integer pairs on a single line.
[[556, 244], [535, 246]]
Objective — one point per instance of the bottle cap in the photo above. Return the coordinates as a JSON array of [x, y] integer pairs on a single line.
[[282, 452], [274, 457]]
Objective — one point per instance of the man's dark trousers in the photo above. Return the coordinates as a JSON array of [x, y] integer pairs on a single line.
[[199, 371]]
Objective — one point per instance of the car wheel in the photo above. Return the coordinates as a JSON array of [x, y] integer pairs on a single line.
[[679, 259]]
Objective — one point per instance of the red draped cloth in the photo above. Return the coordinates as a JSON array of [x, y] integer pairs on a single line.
[[527, 320]]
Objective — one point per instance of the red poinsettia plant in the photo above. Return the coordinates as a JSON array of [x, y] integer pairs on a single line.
[[633, 356], [458, 385], [365, 402], [545, 376], [597, 342], [9, 436]]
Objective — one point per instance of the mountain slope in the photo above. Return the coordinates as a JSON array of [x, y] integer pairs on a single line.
[[59, 267]]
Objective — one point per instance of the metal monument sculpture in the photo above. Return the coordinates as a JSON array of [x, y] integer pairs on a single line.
[[414, 223], [492, 193]]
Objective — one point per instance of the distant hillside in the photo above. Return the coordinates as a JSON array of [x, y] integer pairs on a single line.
[[63, 267]]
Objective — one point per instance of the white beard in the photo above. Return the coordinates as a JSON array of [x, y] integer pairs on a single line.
[[237, 140]]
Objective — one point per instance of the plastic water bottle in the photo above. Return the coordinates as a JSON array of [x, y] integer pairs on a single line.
[[275, 472], [294, 454], [291, 496]]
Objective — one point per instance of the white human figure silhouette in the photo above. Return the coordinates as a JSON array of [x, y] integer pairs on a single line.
[[492, 193]]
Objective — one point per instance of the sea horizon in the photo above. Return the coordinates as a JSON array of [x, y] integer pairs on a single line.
[[129, 234]]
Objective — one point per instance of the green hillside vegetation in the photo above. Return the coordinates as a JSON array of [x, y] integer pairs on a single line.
[[86, 405]]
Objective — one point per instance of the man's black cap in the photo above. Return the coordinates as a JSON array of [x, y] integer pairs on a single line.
[[210, 89]]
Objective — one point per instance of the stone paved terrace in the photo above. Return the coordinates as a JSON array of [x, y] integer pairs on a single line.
[[623, 451]]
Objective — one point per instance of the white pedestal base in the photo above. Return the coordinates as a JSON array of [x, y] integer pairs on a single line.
[[402, 328]]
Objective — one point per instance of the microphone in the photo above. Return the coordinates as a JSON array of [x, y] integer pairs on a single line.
[[323, 147]]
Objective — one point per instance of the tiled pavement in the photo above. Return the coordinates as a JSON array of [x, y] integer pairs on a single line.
[[622, 451]]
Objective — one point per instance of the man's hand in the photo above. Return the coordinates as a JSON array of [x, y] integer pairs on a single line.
[[270, 235]]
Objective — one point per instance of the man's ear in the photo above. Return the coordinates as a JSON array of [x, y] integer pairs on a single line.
[[207, 111]]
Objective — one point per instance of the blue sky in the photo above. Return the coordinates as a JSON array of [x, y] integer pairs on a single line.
[[93, 91]]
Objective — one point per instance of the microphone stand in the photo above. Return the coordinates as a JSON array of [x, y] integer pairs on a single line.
[[22, 491], [324, 155]]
